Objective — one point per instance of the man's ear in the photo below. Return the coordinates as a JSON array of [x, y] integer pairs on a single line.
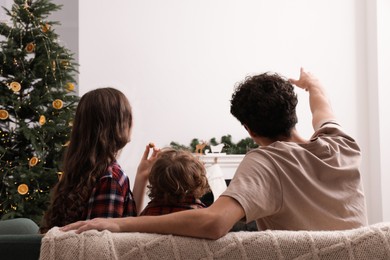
[[249, 131]]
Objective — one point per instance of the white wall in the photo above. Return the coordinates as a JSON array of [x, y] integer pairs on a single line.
[[178, 61], [187, 55], [383, 10], [6, 4], [378, 125]]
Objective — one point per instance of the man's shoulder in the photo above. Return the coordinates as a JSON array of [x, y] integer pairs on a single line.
[[260, 158], [331, 128], [332, 131]]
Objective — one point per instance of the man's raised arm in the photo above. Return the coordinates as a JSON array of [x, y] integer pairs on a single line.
[[319, 104]]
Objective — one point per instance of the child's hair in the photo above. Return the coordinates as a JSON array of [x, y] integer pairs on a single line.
[[101, 128], [176, 174]]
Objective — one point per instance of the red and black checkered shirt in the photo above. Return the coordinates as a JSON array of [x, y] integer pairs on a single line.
[[158, 207], [112, 196]]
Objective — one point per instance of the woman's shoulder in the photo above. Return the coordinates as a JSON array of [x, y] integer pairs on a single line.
[[115, 172]]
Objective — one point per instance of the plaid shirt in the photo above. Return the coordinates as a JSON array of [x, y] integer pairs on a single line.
[[111, 196], [157, 207]]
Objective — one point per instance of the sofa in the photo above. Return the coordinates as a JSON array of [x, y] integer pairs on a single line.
[[371, 242], [19, 239]]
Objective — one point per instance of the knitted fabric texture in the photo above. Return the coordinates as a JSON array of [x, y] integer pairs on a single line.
[[371, 242]]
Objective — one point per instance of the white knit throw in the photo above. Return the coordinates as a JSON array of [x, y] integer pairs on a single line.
[[372, 242]]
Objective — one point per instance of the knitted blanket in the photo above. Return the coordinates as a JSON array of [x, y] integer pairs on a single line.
[[372, 242]]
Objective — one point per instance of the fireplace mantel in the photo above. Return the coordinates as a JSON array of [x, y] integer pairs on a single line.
[[227, 162]]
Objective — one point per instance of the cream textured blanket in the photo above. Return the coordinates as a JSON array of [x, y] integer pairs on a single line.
[[372, 242]]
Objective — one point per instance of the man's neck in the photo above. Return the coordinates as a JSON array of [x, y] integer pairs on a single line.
[[295, 138]]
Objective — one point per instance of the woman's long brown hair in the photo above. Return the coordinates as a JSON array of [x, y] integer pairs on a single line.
[[101, 128]]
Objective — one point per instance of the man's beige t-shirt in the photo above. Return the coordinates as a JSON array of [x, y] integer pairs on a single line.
[[313, 186]]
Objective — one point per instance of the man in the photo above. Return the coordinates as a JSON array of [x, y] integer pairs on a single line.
[[288, 183]]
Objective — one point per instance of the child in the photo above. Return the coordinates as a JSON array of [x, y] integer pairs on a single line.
[[177, 181], [93, 184]]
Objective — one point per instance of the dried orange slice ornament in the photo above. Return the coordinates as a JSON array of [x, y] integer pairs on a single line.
[[30, 47], [33, 161], [3, 114], [69, 86], [42, 120], [58, 104], [22, 189], [15, 86], [45, 28]]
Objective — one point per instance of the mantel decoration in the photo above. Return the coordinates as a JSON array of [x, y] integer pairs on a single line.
[[37, 104], [225, 145]]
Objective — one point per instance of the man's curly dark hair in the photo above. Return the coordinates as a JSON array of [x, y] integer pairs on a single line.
[[266, 104]]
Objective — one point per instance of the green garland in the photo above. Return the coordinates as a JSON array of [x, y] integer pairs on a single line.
[[241, 147]]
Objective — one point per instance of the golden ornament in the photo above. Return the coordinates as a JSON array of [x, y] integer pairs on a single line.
[[45, 28], [15, 86], [59, 175], [30, 47], [65, 64], [58, 104], [33, 161], [22, 189], [42, 120], [3, 114], [69, 86]]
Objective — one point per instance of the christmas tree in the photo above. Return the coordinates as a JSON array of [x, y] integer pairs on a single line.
[[37, 104]]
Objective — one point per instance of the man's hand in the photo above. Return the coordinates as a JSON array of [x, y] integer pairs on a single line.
[[306, 80], [96, 223], [319, 104]]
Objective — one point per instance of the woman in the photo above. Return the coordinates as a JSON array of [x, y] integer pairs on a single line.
[[93, 183]]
